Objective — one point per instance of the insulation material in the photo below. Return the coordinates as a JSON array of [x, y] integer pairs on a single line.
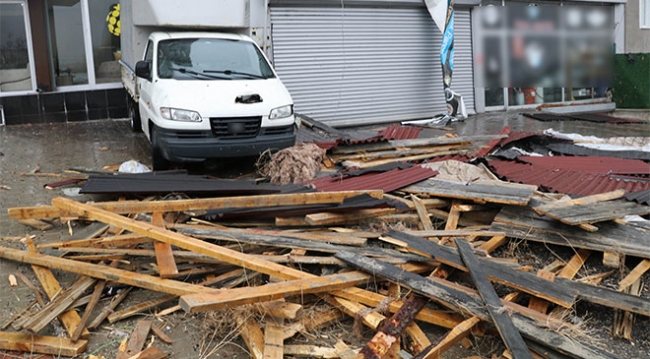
[[296, 164], [456, 171], [607, 144]]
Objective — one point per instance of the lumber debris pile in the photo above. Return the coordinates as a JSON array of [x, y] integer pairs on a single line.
[[396, 246]]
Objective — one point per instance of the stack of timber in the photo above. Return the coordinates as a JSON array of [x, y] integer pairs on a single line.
[[280, 267]]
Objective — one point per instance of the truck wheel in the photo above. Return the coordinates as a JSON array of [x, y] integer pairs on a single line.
[[158, 162], [134, 115]]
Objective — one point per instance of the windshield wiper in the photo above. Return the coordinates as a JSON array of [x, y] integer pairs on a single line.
[[231, 72], [197, 74]]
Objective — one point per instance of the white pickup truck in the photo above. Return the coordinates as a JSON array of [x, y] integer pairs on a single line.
[[202, 95]]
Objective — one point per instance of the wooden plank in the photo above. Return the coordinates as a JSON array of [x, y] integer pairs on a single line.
[[273, 339], [137, 339], [586, 200], [158, 331], [592, 213], [535, 303], [310, 351], [36, 224], [273, 200], [635, 274], [624, 321], [391, 330], [524, 223], [612, 259], [509, 333], [332, 218], [94, 299], [252, 334], [164, 256], [110, 307], [457, 150], [418, 338], [281, 309], [41, 344], [422, 213], [526, 282], [70, 319], [450, 339], [37, 322], [485, 191], [573, 266], [471, 305], [103, 272], [456, 233], [140, 307], [344, 351], [150, 353], [494, 243], [420, 142], [201, 302]]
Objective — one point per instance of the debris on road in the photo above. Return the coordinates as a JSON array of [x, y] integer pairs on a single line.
[[394, 226]]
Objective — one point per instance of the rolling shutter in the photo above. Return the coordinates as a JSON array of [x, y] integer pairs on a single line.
[[367, 65]]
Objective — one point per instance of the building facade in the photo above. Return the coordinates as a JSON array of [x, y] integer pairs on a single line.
[[345, 62]]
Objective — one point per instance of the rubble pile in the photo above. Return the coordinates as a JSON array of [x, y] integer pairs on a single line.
[[395, 233]]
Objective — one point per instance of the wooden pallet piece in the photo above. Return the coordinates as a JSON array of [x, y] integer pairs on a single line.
[[483, 192], [509, 333], [29, 343], [164, 256], [273, 200], [70, 319], [471, 305]]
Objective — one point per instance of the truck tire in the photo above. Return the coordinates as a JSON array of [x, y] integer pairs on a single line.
[[158, 162], [134, 115]]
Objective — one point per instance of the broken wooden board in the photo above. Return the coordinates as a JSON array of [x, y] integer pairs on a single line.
[[500, 317], [471, 305], [103, 272], [561, 292], [419, 142], [41, 344], [481, 192], [577, 214], [526, 282], [226, 298], [525, 224], [273, 200], [164, 256], [137, 339]]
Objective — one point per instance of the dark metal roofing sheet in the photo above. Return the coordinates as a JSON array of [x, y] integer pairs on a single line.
[[565, 181], [590, 164], [575, 150], [386, 181], [492, 144], [642, 197]]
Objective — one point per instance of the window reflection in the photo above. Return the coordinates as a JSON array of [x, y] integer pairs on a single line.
[[15, 73], [67, 42], [106, 45]]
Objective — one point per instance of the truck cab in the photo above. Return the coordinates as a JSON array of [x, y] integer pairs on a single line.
[[202, 95]]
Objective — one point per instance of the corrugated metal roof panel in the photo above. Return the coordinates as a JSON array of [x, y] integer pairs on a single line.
[[399, 132], [386, 181], [565, 181], [590, 164], [642, 197]]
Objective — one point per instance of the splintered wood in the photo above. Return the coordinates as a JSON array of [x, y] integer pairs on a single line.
[[274, 285]]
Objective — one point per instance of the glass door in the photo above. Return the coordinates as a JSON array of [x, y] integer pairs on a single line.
[[67, 42], [16, 57]]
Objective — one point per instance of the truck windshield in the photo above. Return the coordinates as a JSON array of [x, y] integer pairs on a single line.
[[186, 59]]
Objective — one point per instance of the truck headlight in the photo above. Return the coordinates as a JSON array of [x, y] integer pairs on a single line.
[[281, 112], [175, 114]]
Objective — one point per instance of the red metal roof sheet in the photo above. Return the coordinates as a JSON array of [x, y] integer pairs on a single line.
[[566, 181], [492, 144], [399, 132], [590, 164], [386, 181]]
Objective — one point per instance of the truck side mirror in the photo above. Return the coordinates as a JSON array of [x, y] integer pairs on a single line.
[[143, 69]]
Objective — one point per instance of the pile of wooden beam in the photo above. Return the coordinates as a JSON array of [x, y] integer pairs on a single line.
[[329, 264]]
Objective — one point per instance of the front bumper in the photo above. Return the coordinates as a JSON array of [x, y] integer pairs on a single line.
[[196, 146]]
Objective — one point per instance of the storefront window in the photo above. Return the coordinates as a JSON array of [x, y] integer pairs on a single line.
[[15, 72], [105, 39], [67, 41]]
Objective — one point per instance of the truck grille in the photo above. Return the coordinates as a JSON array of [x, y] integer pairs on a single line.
[[282, 130], [235, 127]]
